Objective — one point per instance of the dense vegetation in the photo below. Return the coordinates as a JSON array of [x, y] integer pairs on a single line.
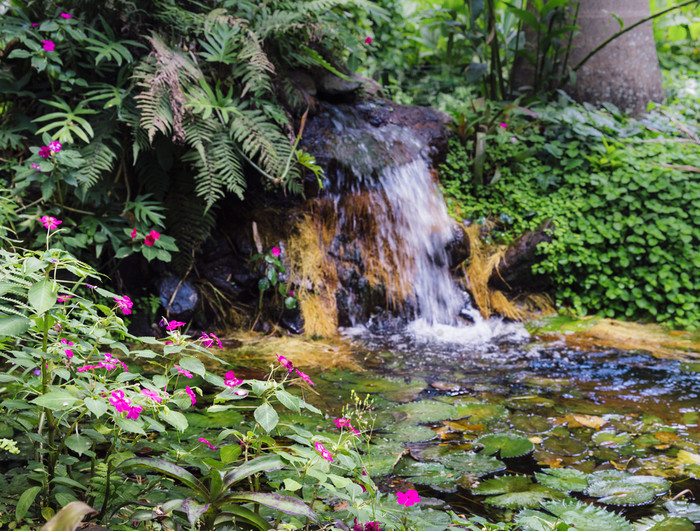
[[122, 122]]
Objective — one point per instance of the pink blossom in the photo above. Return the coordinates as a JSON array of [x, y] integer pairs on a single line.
[[120, 402], [55, 146], [50, 222], [191, 394], [48, 45], [45, 152], [153, 395], [304, 377], [324, 453], [184, 372], [68, 352], [275, 251], [240, 392], [341, 423], [231, 380], [35, 166], [369, 526], [133, 233], [65, 15], [88, 368], [368, 40], [208, 340], [134, 412], [285, 363], [504, 126], [171, 325], [151, 238], [410, 497], [210, 445], [124, 303], [35, 24], [291, 293], [64, 298]]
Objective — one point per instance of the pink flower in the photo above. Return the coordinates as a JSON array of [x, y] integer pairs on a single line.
[[35, 24], [65, 15], [88, 368], [275, 251], [368, 40], [208, 340], [153, 395], [184, 372], [55, 146], [171, 325], [191, 394], [50, 222], [35, 166], [133, 233], [231, 380], [64, 298], [342, 423], [369, 526], [291, 293], [285, 363], [119, 402], [410, 497], [240, 392], [304, 377], [514, 140], [210, 445], [503, 125], [151, 238], [68, 352], [134, 412], [324, 453], [45, 152], [48, 45], [124, 303]]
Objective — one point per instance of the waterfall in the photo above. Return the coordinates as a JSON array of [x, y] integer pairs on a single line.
[[386, 197]]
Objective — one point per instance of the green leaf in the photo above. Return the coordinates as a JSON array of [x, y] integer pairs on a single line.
[[230, 453], [168, 469], [69, 517], [55, 400], [428, 410], [176, 419], [194, 510], [193, 365], [265, 463], [42, 295], [288, 400], [292, 485], [78, 444], [514, 492], [130, 425], [529, 520], [286, 504], [566, 479], [587, 517], [14, 325], [621, 493], [691, 511], [25, 502], [508, 444], [662, 522], [471, 463], [266, 416]]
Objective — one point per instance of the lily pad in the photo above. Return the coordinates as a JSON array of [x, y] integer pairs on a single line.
[[691, 511], [408, 432], [566, 446], [381, 464], [476, 465], [586, 517], [611, 439], [621, 493], [480, 413], [565, 479], [508, 444], [425, 473], [529, 520], [660, 522], [427, 411], [530, 423], [514, 492], [658, 485]]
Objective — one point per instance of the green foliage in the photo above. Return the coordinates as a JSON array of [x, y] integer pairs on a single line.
[[621, 197]]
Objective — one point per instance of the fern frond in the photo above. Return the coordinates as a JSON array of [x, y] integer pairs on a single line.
[[164, 76], [227, 162], [257, 65], [259, 139], [100, 154]]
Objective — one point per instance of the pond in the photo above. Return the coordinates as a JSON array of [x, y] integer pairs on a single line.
[[514, 422]]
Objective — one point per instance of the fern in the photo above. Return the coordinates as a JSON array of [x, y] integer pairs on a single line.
[[257, 66], [100, 154]]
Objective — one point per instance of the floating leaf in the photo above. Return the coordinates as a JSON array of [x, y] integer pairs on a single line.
[[566, 446], [621, 493], [589, 421], [508, 444], [530, 424], [479, 413], [425, 473], [659, 485], [660, 522], [529, 520], [566, 479], [381, 464], [428, 411], [611, 439], [408, 432], [513, 492], [687, 458], [691, 511], [586, 517], [473, 464]]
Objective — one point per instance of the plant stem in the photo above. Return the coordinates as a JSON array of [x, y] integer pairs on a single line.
[[629, 28]]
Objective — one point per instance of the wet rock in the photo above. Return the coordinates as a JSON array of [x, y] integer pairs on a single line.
[[293, 321], [458, 249], [184, 296], [336, 88]]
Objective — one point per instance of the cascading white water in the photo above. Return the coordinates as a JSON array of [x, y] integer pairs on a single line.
[[390, 212]]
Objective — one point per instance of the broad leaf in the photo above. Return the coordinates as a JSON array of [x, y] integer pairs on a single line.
[[565, 479], [265, 463], [43, 295], [14, 325], [25, 502], [56, 400], [286, 504], [587, 517], [508, 444], [168, 469], [266, 416]]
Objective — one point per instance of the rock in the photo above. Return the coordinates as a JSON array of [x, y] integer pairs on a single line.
[[185, 299], [458, 249]]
